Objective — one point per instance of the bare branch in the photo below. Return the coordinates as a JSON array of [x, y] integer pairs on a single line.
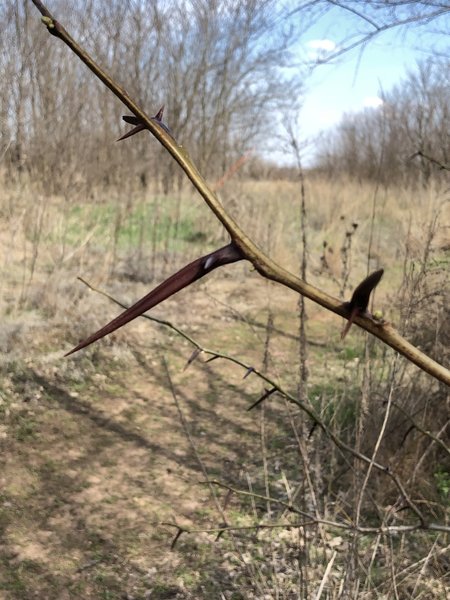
[[314, 521], [426, 432], [262, 263], [436, 162], [301, 404]]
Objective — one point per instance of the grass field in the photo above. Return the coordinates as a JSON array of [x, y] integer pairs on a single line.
[[103, 453]]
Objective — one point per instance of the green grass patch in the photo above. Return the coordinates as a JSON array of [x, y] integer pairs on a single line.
[[442, 480], [152, 221]]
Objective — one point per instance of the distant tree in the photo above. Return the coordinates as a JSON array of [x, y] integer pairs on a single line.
[[217, 65], [388, 143]]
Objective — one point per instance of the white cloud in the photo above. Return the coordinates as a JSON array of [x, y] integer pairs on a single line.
[[322, 45], [327, 117], [372, 102], [319, 50]]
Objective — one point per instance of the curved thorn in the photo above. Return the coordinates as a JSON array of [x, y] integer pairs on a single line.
[[135, 130], [140, 126], [360, 298], [184, 277]]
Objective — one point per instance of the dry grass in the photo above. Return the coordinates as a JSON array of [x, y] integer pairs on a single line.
[[95, 458]]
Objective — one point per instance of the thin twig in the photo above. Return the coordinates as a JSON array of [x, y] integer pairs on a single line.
[[348, 526], [254, 527], [442, 166], [325, 576], [275, 387], [426, 432], [254, 573], [378, 441]]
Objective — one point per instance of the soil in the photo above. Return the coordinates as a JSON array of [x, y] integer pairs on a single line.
[[96, 460]]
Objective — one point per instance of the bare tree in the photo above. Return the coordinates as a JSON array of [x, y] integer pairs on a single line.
[[412, 125], [218, 67]]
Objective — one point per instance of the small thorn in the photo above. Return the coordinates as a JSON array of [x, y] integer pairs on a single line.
[[266, 394], [175, 539], [132, 120], [220, 534], [137, 129], [193, 356], [313, 428], [159, 114], [215, 357], [248, 371]]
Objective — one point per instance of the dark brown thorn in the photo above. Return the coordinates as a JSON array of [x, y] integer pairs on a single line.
[[313, 428], [140, 126], [266, 394], [410, 428], [193, 356], [360, 298], [248, 371], [175, 539], [184, 277], [159, 114], [362, 292], [137, 129], [132, 120], [220, 534], [215, 357]]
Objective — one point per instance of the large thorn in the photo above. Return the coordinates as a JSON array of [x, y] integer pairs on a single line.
[[360, 298], [187, 275]]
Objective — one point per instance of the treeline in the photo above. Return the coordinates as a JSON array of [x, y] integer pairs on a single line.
[[220, 69], [406, 139], [217, 66]]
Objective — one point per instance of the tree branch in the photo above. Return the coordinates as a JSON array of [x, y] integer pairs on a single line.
[[385, 530], [262, 263], [249, 369], [312, 520]]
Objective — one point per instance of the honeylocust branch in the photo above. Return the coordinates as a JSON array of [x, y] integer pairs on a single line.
[[248, 249]]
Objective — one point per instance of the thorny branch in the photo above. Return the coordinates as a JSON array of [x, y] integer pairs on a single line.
[[262, 263], [249, 369], [313, 520], [385, 530]]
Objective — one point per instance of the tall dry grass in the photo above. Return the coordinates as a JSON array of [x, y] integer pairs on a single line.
[[368, 397]]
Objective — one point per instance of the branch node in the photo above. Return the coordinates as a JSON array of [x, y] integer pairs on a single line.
[[48, 22]]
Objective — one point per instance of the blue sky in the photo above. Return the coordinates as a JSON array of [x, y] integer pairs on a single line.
[[356, 79]]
